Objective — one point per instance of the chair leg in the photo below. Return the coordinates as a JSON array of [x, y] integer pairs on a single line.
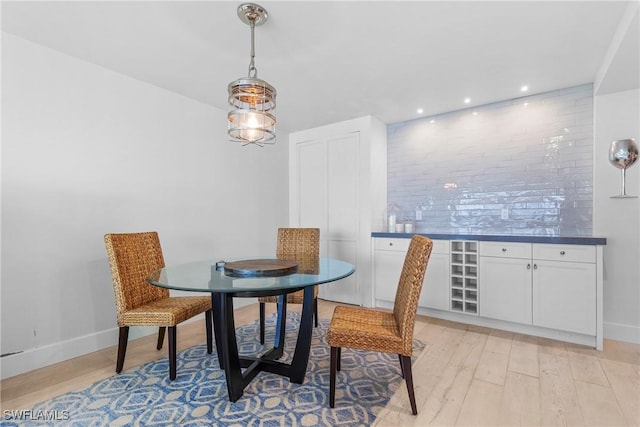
[[401, 366], [406, 368], [261, 323], [160, 337], [339, 358], [122, 347], [208, 319], [172, 353], [335, 360], [315, 310]]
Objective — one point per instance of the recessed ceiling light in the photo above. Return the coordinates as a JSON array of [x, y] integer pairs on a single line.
[[524, 88], [432, 121], [420, 111], [467, 100], [475, 113]]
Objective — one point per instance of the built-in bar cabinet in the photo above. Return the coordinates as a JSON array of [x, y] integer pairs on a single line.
[[549, 287]]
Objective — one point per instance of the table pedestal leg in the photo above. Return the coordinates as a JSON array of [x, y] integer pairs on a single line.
[[230, 358], [227, 345], [281, 328], [217, 322], [303, 344]]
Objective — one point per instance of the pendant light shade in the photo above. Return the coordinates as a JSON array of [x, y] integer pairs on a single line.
[[252, 101]]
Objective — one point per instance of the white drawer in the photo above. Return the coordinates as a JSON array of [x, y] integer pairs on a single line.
[[573, 253], [440, 247], [391, 244], [505, 249]]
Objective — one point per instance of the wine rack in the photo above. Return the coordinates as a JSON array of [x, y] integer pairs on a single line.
[[464, 276]]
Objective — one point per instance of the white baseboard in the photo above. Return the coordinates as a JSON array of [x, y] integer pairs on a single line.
[[40, 357], [620, 332]]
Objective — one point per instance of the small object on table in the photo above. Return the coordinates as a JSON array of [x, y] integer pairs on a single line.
[[260, 268], [219, 265]]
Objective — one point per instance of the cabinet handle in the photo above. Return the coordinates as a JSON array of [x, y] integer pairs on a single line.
[[390, 244], [528, 266], [535, 266], [562, 252], [504, 249]]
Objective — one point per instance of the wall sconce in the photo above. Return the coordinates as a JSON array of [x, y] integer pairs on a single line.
[[623, 154], [252, 102]]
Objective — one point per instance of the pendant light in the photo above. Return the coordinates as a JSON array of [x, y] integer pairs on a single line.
[[252, 102]]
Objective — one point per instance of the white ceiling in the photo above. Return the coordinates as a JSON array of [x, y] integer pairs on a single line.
[[332, 61]]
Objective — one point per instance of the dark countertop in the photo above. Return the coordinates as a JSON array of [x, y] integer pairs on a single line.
[[567, 240]]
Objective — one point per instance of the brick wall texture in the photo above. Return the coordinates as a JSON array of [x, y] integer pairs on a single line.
[[522, 166]]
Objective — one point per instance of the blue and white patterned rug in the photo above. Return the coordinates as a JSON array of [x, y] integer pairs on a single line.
[[198, 396]]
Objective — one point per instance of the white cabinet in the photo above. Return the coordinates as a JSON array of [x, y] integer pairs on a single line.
[[548, 290], [335, 185], [435, 288], [388, 259], [564, 288], [505, 281], [389, 254], [547, 285]]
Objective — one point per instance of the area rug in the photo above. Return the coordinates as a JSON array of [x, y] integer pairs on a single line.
[[198, 396]]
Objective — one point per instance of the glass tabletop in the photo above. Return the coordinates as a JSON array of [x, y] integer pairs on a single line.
[[202, 276]]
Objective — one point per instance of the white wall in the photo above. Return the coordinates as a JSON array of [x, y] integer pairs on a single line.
[[617, 116], [87, 151]]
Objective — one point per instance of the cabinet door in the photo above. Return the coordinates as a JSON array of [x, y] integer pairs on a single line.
[[342, 187], [312, 185], [435, 287], [342, 213], [564, 296], [505, 289], [327, 197], [344, 290], [386, 274]]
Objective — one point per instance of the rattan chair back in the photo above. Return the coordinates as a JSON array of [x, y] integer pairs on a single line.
[[303, 246], [409, 288], [298, 241], [132, 257]]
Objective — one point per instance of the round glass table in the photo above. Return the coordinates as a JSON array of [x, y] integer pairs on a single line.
[[204, 276]]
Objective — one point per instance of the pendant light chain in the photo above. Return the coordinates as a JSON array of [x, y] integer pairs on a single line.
[[252, 66]]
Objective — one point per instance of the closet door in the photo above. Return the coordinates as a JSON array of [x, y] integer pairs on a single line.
[[327, 197], [312, 186], [342, 213], [337, 182]]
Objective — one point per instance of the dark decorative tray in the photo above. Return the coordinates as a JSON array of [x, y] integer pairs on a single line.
[[260, 268]]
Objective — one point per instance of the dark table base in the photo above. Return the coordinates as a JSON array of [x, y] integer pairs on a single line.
[[227, 346]]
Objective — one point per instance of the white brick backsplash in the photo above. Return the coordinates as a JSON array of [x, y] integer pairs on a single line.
[[464, 170]]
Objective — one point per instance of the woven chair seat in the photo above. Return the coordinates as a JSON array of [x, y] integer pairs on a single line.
[[365, 329], [165, 312], [292, 298]]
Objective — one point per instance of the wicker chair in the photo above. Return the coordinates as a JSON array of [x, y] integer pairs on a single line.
[[376, 330], [294, 242], [132, 257]]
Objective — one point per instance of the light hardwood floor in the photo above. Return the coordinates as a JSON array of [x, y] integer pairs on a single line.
[[465, 376]]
